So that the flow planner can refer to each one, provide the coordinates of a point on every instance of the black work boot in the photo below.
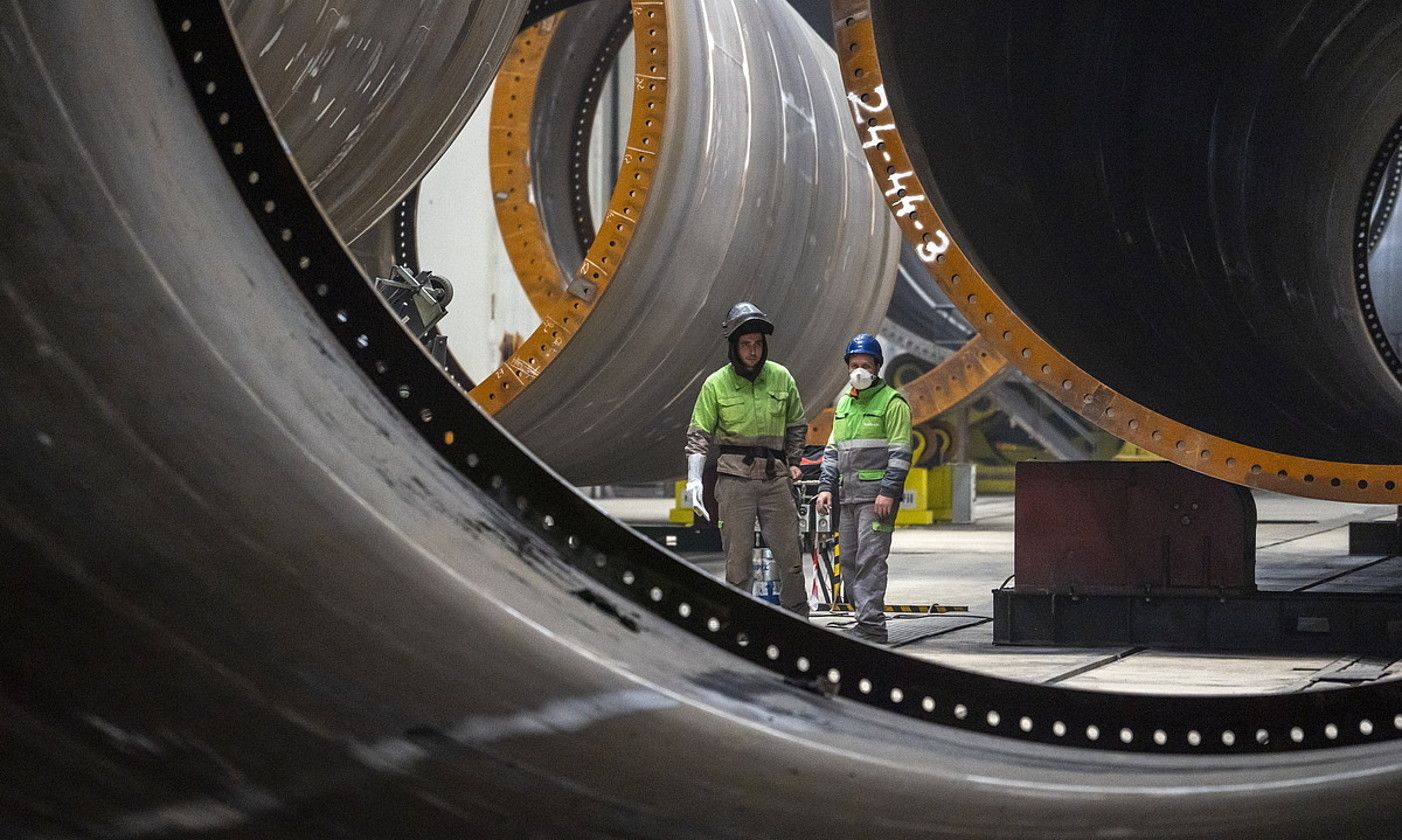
(869, 633)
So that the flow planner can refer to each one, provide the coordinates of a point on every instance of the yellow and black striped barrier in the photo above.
(923, 609)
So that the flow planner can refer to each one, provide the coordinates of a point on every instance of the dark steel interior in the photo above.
(1169, 195)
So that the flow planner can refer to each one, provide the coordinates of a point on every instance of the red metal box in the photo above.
(1098, 526)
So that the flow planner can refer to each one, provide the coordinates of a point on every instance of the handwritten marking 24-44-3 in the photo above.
(878, 119)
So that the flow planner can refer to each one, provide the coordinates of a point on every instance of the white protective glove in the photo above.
(694, 494)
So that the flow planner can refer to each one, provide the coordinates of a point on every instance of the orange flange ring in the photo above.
(878, 125)
(953, 380)
(509, 142)
(561, 310)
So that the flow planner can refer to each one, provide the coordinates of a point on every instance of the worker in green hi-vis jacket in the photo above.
(750, 411)
(865, 464)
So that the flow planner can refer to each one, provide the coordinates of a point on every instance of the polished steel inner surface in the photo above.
(268, 574)
(1169, 197)
(369, 95)
(751, 90)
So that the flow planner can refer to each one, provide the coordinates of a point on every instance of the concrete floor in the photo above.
(1301, 543)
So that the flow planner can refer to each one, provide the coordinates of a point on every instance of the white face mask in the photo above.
(862, 378)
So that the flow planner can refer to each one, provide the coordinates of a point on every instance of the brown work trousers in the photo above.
(741, 500)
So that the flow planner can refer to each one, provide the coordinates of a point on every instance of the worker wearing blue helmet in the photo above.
(865, 465)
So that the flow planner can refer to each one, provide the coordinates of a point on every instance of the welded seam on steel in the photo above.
(298, 233)
(879, 127)
(567, 307)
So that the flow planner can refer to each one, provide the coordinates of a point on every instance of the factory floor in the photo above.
(1300, 544)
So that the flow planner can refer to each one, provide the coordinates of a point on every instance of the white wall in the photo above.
(459, 239)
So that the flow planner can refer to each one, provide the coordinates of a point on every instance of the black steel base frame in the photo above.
(681, 537)
(1367, 538)
(1296, 622)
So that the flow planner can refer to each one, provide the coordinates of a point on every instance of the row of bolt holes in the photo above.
(1361, 272)
(993, 718)
(833, 675)
(897, 696)
(322, 290)
(627, 210)
(864, 685)
(303, 262)
(1059, 729)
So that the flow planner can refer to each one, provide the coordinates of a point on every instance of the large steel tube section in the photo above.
(759, 193)
(268, 574)
(1154, 214)
(368, 95)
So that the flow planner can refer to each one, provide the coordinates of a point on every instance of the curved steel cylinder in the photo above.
(369, 95)
(742, 180)
(267, 573)
(1154, 215)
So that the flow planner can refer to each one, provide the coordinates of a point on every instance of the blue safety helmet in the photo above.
(866, 344)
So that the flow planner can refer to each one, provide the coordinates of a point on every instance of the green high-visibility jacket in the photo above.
(868, 452)
(763, 415)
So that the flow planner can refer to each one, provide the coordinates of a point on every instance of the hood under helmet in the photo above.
(745, 319)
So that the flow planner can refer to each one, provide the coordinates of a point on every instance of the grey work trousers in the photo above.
(741, 500)
(863, 554)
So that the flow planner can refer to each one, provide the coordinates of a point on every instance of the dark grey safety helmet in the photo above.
(745, 318)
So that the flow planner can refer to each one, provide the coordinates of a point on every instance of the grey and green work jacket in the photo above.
(757, 428)
(868, 451)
